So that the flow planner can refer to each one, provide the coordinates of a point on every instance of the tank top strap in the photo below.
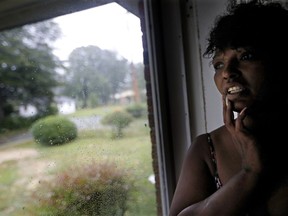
(214, 162)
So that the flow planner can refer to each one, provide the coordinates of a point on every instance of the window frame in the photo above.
(166, 57)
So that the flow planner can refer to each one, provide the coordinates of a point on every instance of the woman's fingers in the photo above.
(229, 115)
(232, 124)
(239, 121)
(224, 108)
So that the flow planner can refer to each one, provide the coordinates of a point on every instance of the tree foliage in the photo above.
(96, 74)
(118, 120)
(27, 66)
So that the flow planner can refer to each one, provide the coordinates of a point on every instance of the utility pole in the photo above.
(134, 83)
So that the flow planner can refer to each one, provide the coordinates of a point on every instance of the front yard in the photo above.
(24, 167)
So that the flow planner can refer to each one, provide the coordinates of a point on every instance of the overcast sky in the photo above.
(108, 27)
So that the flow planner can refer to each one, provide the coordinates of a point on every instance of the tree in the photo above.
(27, 69)
(118, 120)
(95, 73)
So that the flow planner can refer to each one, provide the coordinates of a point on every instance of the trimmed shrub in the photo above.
(136, 110)
(118, 120)
(15, 122)
(54, 130)
(92, 189)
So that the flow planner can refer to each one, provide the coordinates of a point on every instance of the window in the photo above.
(60, 150)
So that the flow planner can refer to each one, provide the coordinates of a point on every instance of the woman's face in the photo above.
(239, 76)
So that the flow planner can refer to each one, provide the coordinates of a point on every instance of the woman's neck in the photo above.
(265, 118)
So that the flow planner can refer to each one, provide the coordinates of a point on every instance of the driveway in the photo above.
(16, 139)
(90, 122)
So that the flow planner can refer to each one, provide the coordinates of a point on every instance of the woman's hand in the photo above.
(243, 139)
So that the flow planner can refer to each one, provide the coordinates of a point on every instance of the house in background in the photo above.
(65, 105)
(129, 96)
(27, 111)
(124, 97)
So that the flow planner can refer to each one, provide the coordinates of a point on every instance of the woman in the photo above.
(241, 167)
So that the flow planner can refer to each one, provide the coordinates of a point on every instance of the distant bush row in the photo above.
(56, 130)
(137, 110)
(13, 121)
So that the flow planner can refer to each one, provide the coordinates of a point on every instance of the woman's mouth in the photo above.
(235, 89)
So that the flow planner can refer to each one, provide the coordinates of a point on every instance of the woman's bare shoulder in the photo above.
(219, 135)
(201, 141)
(218, 132)
(200, 147)
(199, 144)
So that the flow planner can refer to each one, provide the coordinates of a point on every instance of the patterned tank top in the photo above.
(214, 162)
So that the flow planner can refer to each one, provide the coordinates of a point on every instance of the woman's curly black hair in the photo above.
(260, 25)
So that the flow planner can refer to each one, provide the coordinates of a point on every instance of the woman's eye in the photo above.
(247, 56)
(218, 65)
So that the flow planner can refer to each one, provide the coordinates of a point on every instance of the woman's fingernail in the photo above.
(243, 110)
(227, 101)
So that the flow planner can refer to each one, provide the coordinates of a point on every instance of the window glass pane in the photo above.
(74, 134)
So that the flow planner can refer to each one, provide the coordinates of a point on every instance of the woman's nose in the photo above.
(230, 70)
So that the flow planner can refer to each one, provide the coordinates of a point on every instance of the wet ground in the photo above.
(15, 139)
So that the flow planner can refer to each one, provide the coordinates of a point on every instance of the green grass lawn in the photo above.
(99, 111)
(21, 176)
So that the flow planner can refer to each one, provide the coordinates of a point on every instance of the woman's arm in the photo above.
(193, 195)
(196, 194)
(195, 181)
